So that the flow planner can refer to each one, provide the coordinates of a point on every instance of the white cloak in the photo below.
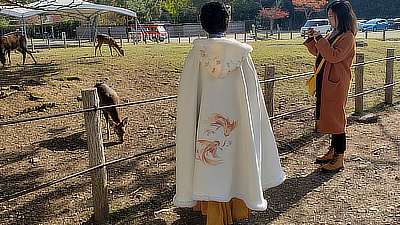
(225, 147)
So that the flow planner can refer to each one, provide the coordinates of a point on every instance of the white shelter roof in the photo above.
(76, 8)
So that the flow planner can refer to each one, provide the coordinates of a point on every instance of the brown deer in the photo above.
(105, 39)
(13, 41)
(109, 97)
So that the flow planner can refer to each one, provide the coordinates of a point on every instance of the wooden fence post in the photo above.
(169, 39)
(48, 43)
(244, 39)
(235, 36)
(79, 42)
(359, 75)
(389, 76)
(384, 35)
(32, 45)
(269, 73)
(291, 35)
(65, 42)
(179, 38)
(189, 38)
(96, 155)
(366, 34)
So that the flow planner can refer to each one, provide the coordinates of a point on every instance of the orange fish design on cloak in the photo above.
(208, 152)
(217, 121)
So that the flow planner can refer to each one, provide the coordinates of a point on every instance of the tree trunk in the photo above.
(271, 24)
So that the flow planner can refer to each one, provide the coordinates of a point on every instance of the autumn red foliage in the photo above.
(309, 6)
(273, 13)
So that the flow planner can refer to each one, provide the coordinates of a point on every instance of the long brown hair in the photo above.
(347, 20)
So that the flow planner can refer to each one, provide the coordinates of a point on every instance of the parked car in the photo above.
(397, 23)
(391, 23)
(154, 32)
(375, 25)
(360, 23)
(320, 25)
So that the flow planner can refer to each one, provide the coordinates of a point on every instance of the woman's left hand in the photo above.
(316, 33)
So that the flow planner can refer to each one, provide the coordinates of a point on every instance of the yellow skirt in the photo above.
(222, 213)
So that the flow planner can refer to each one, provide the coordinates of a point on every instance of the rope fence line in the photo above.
(375, 89)
(352, 96)
(309, 73)
(171, 97)
(30, 190)
(27, 191)
(85, 110)
(24, 192)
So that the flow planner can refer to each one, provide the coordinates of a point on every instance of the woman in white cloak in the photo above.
(225, 147)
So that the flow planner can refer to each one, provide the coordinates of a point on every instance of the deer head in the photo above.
(119, 128)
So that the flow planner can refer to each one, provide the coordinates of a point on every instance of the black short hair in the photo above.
(347, 20)
(214, 17)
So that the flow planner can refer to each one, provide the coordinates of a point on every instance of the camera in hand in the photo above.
(310, 31)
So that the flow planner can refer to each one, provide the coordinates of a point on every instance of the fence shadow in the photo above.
(293, 144)
(12, 157)
(11, 184)
(143, 212)
(38, 210)
(73, 142)
(280, 199)
(290, 192)
(30, 74)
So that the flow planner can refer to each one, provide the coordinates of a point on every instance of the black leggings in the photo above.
(339, 143)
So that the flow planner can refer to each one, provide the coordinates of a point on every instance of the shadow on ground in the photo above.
(30, 74)
(73, 142)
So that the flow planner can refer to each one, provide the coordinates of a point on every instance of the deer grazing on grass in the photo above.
(105, 39)
(109, 97)
(13, 41)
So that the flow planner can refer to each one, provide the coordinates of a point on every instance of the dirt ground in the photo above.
(141, 189)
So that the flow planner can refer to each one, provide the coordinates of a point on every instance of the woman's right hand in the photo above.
(310, 32)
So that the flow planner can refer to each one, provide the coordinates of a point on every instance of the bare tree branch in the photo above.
(38, 6)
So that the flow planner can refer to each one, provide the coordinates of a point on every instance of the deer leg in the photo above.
(117, 50)
(23, 52)
(107, 124)
(95, 49)
(23, 58)
(9, 58)
(29, 52)
(99, 45)
(110, 49)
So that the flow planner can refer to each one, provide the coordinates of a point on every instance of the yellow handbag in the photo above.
(312, 81)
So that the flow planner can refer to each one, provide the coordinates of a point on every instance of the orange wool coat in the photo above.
(336, 80)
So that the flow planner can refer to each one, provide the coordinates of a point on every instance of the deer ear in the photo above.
(125, 121)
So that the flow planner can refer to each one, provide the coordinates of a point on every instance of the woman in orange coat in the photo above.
(335, 54)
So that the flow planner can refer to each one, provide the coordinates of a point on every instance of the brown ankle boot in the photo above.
(336, 164)
(327, 156)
